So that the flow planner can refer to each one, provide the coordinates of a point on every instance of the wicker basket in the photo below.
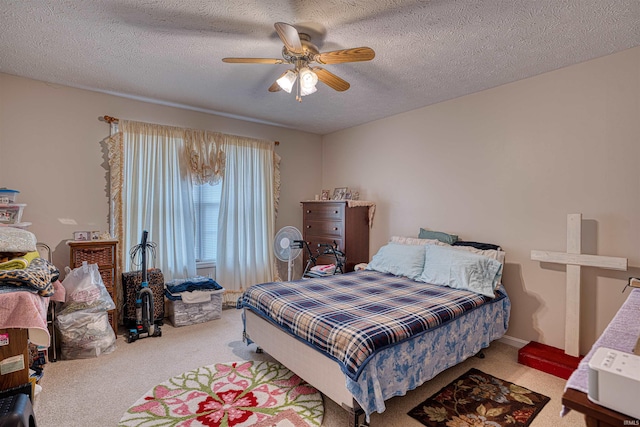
(97, 255)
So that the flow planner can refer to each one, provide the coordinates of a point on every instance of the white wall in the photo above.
(51, 151)
(506, 166)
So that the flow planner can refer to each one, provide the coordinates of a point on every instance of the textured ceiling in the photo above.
(170, 51)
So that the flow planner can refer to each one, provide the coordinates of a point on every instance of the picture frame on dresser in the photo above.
(339, 193)
(81, 236)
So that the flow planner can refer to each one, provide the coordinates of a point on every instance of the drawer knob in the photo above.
(308, 226)
(308, 210)
(335, 228)
(335, 212)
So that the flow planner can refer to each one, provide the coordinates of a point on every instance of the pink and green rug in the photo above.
(237, 394)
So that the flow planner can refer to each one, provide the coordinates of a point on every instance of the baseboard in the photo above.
(512, 341)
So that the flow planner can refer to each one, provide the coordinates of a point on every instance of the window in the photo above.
(206, 199)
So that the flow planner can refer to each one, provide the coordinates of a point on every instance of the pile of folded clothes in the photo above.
(21, 268)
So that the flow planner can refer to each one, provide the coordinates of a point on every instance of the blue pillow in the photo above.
(461, 270)
(399, 260)
(439, 235)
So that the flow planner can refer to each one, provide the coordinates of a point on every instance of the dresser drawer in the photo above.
(324, 228)
(107, 279)
(104, 256)
(325, 211)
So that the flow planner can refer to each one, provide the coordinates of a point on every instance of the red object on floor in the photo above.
(548, 359)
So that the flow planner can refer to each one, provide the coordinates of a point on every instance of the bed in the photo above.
(366, 336)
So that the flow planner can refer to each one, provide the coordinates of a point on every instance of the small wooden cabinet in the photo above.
(14, 353)
(335, 221)
(103, 253)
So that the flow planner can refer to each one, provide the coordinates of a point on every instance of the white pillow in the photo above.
(450, 267)
(399, 260)
(491, 253)
(498, 255)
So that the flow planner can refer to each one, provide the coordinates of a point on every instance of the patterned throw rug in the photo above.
(238, 394)
(478, 399)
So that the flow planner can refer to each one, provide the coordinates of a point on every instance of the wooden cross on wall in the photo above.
(574, 260)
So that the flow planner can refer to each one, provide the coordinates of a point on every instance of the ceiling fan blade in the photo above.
(355, 54)
(289, 36)
(253, 60)
(331, 79)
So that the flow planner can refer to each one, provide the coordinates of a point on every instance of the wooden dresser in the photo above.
(329, 221)
(103, 253)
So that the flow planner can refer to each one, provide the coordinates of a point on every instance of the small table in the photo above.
(621, 334)
(594, 415)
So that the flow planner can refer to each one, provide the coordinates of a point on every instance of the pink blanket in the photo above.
(25, 310)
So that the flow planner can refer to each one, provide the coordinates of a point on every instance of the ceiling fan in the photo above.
(301, 53)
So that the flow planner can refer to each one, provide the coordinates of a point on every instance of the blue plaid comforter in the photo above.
(352, 316)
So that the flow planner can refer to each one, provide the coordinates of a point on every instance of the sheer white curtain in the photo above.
(246, 223)
(157, 196)
(153, 168)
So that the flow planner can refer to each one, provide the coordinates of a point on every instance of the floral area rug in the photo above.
(479, 399)
(237, 394)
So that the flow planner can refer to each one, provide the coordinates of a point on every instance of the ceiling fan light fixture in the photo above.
(307, 91)
(299, 52)
(287, 80)
(308, 80)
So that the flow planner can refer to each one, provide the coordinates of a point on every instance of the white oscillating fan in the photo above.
(287, 246)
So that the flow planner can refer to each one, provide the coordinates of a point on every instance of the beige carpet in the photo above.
(96, 392)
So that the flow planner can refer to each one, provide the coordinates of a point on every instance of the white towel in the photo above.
(194, 297)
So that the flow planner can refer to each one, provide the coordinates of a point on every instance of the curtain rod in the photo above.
(110, 119)
(115, 120)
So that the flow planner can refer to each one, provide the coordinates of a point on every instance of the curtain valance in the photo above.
(206, 158)
(202, 149)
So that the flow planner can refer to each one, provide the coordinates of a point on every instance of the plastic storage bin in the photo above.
(182, 313)
(8, 196)
(194, 300)
(11, 213)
